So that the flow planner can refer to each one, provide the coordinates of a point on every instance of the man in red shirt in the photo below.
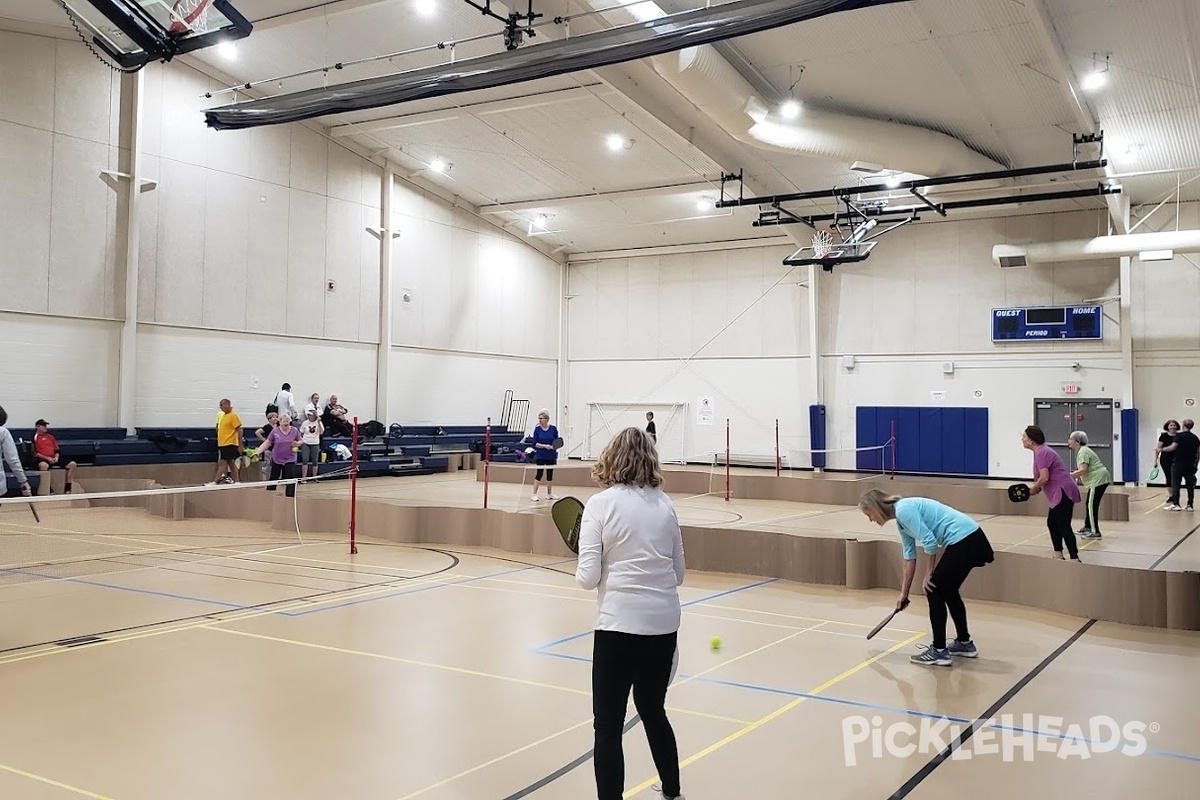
(45, 452)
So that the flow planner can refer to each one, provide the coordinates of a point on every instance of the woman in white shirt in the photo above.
(631, 550)
(311, 431)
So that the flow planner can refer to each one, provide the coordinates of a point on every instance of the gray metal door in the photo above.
(1059, 418)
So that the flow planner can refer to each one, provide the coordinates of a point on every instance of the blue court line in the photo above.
(910, 712)
(118, 587)
(705, 599)
(424, 588)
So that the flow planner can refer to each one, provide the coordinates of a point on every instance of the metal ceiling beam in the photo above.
(1085, 116)
(617, 194)
(837, 192)
(1040, 197)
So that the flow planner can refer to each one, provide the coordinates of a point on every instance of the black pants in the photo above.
(621, 661)
(1181, 475)
(1092, 508)
(1058, 521)
(285, 471)
(547, 470)
(947, 578)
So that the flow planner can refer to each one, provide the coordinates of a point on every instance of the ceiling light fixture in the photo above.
(789, 109)
(1098, 77)
(426, 8)
(704, 205)
(893, 180)
(617, 142)
(438, 165)
(227, 51)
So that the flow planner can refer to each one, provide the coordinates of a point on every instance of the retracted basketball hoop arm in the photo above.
(154, 40)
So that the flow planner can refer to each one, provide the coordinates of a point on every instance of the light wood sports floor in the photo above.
(144, 659)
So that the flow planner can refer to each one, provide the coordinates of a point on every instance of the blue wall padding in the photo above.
(816, 434)
(937, 440)
(1129, 445)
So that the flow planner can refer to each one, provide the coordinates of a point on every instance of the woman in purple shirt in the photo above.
(283, 442)
(1052, 477)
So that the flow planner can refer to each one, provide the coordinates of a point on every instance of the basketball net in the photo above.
(822, 243)
(189, 15)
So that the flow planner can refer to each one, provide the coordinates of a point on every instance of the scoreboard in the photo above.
(1044, 323)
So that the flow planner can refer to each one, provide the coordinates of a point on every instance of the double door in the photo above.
(1059, 418)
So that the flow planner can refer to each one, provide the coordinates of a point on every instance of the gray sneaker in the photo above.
(962, 649)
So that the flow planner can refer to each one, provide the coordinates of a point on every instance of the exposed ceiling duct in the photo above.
(630, 42)
(712, 84)
(1158, 246)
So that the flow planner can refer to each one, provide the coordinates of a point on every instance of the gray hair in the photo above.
(545, 412)
(879, 502)
(1079, 436)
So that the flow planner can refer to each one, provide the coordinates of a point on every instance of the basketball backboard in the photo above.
(132, 33)
(831, 255)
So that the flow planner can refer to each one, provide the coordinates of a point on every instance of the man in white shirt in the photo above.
(8, 451)
(285, 402)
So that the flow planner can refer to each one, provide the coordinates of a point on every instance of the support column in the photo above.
(127, 361)
(814, 337)
(564, 310)
(383, 356)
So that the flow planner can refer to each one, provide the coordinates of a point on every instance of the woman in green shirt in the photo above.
(1095, 478)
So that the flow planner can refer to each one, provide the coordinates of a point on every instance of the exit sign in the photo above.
(1070, 388)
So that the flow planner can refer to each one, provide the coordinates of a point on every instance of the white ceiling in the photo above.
(977, 70)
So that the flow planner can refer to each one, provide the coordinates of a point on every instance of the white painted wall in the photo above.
(924, 297)
(675, 328)
(184, 373)
(59, 368)
(238, 241)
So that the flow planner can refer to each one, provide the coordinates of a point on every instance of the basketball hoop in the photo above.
(189, 16)
(822, 244)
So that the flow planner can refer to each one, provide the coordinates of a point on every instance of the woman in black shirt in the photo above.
(1166, 460)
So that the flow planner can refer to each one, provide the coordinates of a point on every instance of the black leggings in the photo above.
(621, 661)
(947, 578)
(549, 472)
(285, 471)
(1058, 522)
(1092, 507)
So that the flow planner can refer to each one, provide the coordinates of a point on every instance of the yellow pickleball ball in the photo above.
(715, 643)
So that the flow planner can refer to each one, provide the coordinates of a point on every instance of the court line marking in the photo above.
(724, 618)
(927, 769)
(809, 619)
(216, 626)
(761, 721)
(697, 601)
(52, 782)
(1174, 547)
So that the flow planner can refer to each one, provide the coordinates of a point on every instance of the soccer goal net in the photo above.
(605, 420)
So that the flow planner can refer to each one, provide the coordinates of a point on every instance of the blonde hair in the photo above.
(879, 502)
(630, 457)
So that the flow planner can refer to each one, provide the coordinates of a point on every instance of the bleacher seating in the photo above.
(420, 449)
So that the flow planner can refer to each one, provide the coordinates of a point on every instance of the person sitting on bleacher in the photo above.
(334, 419)
(45, 451)
(8, 451)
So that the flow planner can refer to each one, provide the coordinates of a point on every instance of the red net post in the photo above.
(487, 458)
(354, 488)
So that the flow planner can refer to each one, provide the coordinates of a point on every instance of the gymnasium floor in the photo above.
(237, 662)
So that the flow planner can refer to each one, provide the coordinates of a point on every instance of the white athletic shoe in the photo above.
(535, 498)
(662, 796)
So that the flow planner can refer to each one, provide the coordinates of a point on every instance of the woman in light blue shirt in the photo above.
(951, 544)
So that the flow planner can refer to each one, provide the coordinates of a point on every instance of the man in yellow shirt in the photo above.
(229, 442)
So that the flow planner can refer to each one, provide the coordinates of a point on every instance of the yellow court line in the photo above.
(495, 760)
(51, 782)
(212, 626)
(758, 723)
(794, 616)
